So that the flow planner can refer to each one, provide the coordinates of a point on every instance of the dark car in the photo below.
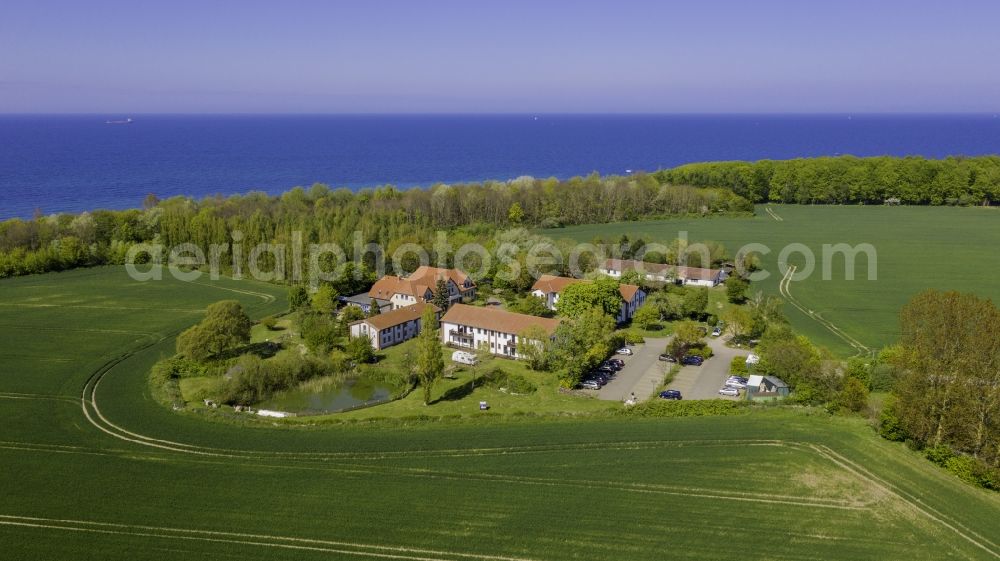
(670, 394)
(611, 365)
(599, 377)
(692, 360)
(667, 358)
(606, 370)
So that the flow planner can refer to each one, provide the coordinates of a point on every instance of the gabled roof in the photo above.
(429, 276)
(397, 316)
(632, 265)
(497, 320)
(388, 285)
(777, 382)
(363, 299)
(696, 273)
(418, 283)
(552, 283)
(628, 291)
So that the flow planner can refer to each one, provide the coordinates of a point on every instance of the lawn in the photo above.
(122, 477)
(917, 248)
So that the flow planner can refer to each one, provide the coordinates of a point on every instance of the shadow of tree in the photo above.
(457, 393)
(263, 349)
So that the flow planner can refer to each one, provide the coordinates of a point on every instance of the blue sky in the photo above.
(717, 56)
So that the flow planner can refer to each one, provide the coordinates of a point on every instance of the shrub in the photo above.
(738, 365)
(890, 427)
(854, 395)
(704, 351)
(269, 323)
(632, 337)
(512, 383)
(939, 454)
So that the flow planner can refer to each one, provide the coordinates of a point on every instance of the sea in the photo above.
(72, 163)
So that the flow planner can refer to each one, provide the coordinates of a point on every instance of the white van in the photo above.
(464, 357)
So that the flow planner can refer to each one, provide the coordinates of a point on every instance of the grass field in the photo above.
(917, 248)
(116, 476)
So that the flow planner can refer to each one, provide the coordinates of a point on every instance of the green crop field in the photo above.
(95, 469)
(917, 248)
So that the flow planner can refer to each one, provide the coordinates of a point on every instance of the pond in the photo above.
(327, 395)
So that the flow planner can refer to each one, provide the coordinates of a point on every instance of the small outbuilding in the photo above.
(766, 387)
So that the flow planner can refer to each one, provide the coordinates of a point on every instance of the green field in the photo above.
(917, 248)
(117, 476)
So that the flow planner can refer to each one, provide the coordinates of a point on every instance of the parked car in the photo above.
(716, 332)
(464, 357)
(732, 392)
(617, 361)
(590, 385)
(667, 358)
(599, 376)
(670, 394)
(612, 365)
(624, 351)
(692, 360)
(606, 371)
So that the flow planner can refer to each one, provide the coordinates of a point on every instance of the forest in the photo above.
(850, 180)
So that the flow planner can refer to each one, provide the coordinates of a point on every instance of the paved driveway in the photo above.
(642, 373)
(703, 382)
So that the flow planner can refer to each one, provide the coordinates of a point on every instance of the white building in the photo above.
(656, 272)
(498, 331)
(391, 328)
(420, 285)
(548, 288)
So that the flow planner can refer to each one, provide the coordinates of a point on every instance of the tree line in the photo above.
(850, 180)
(386, 215)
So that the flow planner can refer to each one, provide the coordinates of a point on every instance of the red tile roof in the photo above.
(397, 316)
(551, 283)
(497, 320)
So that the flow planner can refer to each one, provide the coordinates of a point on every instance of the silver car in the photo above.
(728, 391)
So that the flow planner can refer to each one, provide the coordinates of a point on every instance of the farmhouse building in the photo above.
(656, 272)
(391, 328)
(548, 288)
(420, 285)
(498, 331)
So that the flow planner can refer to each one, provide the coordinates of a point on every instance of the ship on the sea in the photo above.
(127, 121)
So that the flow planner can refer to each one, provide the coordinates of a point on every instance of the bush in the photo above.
(883, 378)
(632, 337)
(854, 395)
(890, 427)
(939, 454)
(269, 323)
(704, 351)
(512, 383)
(738, 365)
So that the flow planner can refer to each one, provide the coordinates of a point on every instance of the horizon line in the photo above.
(513, 113)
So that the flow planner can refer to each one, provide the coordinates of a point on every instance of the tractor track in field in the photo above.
(354, 549)
(910, 500)
(784, 288)
(94, 416)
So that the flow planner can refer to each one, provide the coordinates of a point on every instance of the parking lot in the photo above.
(703, 382)
(643, 372)
(641, 375)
